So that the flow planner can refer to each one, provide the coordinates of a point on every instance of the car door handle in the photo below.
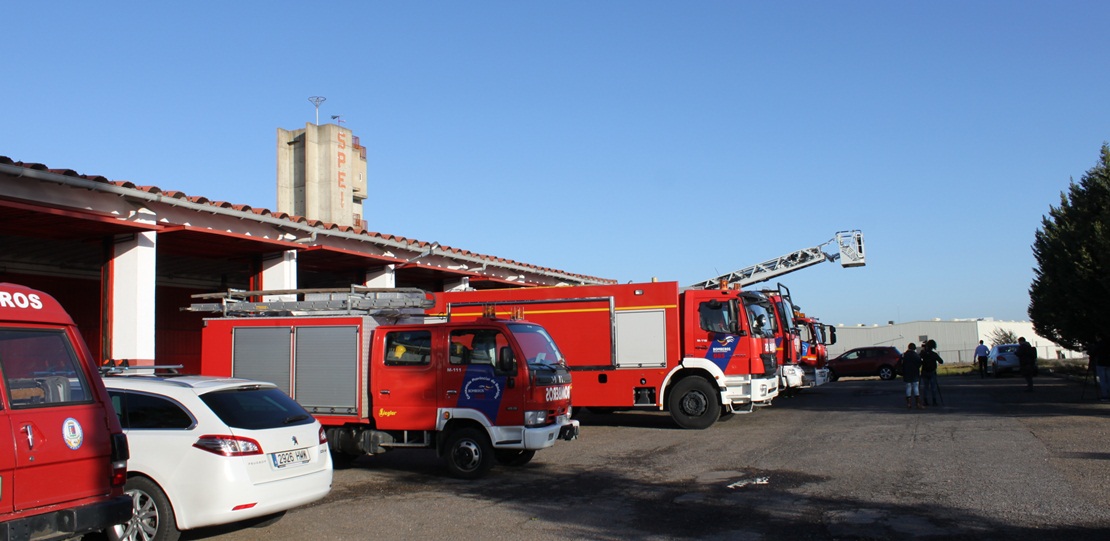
(383, 391)
(30, 436)
(452, 392)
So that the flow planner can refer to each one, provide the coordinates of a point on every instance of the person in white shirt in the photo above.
(981, 353)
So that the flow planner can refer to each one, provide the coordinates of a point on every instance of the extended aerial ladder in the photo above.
(849, 251)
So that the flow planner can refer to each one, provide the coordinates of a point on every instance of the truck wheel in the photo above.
(152, 515)
(468, 453)
(693, 403)
(514, 457)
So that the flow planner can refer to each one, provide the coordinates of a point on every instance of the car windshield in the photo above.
(760, 318)
(256, 408)
(538, 346)
(1007, 349)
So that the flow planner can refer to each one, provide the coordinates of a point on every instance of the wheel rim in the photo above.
(143, 524)
(467, 455)
(694, 404)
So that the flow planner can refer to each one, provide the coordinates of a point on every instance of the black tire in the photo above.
(152, 517)
(693, 403)
(514, 457)
(886, 373)
(468, 453)
(832, 375)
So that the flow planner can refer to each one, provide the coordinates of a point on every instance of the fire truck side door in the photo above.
(60, 442)
(473, 380)
(404, 379)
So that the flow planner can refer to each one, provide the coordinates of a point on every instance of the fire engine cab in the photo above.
(368, 367)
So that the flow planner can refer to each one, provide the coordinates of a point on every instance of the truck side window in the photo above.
(481, 345)
(408, 348)
(40, 368)
(714, 316)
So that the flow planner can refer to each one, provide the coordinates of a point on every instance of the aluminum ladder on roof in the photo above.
(356, 300)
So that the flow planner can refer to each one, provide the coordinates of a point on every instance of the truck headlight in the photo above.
(535, 418)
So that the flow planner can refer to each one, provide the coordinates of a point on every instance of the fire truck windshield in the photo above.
(761, 319)
(538, 346)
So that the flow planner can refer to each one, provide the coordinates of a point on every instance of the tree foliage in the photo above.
(1001, 336)
(1071, 283)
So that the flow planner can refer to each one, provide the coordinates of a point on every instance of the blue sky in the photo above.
(624, 140)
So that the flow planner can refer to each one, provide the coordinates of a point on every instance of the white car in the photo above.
(208, 451)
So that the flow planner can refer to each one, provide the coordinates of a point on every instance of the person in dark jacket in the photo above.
(929, 361)
(911, 373)
(1027, 362)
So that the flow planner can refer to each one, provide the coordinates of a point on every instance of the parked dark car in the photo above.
(882, 361)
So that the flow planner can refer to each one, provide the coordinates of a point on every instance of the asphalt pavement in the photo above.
(843, 461)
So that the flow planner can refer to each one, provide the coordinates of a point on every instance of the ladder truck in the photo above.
(795, 370)
(378, 376)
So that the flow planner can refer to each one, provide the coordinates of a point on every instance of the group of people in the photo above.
(919, 372)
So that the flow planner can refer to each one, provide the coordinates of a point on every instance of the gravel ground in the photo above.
(843, 461)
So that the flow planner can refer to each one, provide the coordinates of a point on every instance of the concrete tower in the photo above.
(321, 174)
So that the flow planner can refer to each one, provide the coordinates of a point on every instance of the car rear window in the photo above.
(256, 408)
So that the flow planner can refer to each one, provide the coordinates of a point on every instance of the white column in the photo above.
(132, 298)
(462, 284)
(384, 278)
(280, 272)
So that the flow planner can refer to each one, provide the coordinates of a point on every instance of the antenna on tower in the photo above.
(317, 100)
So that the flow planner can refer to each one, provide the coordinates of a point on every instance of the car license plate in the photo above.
(289, 458)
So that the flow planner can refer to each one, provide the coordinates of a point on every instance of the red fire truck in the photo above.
(815, 336)
(63, 456)
(366, 364)
(787, 341)
(696, 353)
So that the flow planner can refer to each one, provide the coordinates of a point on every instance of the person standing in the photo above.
(1027, 361)
(929, 361)
(981, 353)
(911, 374)
(1100, 358)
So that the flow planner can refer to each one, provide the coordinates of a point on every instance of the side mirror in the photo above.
(505, 361)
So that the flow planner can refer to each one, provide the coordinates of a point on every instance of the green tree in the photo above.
(1071, 283)
(1000, 336)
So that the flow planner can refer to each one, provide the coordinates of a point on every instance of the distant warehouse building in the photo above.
(956, 339)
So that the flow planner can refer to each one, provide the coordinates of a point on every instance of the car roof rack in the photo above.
(123, 368)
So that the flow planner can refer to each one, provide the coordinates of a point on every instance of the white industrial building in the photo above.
(956, 339)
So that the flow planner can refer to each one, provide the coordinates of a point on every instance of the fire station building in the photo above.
(124, 258)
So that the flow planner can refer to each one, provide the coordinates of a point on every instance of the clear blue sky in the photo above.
(622, 139)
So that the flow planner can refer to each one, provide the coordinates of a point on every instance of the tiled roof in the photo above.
(201, 200)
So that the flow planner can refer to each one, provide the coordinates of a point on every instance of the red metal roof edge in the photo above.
(290, 217)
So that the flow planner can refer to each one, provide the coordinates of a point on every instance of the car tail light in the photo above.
(120, 453)
(323, 436)
(228, 445)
